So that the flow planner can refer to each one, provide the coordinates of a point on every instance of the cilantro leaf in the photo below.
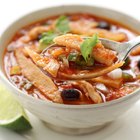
(46, 39)
(87, 46)
(72, 57)
(62, 25)
(81, 61)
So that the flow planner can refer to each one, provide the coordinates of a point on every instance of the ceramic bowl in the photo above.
(72, 119)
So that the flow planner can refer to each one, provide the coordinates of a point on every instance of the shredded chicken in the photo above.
(69, 40)
(85, 24)
(100, 53)
(136, 51)
(81, 27)
(33, 33)
(37, 77)
(90, 91)
(103, 55)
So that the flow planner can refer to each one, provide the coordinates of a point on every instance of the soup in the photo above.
(42, 71)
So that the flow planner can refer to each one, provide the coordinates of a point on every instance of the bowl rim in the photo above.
(57, 105)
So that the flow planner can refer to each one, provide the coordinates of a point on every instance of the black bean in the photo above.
(70, 94)
(104, 25)
(138, 64)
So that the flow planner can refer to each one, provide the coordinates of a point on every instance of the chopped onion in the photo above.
(65, 62)
(115, 74)
(101, 87)
(103, 96)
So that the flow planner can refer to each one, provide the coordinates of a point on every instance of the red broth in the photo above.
(22, 82)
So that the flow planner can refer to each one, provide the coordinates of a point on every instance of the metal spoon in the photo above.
(122, 50)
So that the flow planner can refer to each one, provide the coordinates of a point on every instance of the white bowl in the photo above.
(72, 119)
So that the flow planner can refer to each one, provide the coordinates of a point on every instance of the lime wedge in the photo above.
(12, 115)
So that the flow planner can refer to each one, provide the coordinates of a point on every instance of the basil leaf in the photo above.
(62, 25)
(46, 39)
(88, 45)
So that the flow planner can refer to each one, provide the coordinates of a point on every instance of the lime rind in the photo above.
(20, 124)
(12, 115)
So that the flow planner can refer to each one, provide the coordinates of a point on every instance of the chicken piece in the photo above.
(57, 52)
(33, 33)
(103, 55)
(85, 24)
(69, 40)
(82, 28)
(25, 39)
(47, 64)
(100, 53)
(37, 77)
(90, 91)
(136, 51)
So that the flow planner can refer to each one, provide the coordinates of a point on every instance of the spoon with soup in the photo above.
(73, 57)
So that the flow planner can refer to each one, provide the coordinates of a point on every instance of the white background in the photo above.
(126, 127)
(11, 9)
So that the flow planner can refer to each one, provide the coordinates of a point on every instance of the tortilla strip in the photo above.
(88, 75)
(82, 29)
(37, 58)
(47, 64)
(108, 81)
(37, 77)
(52, 67)
(100, 53)
(90, 91)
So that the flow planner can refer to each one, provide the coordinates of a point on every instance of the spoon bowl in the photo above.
(122, 50)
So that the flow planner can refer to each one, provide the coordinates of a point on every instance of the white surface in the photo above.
(125, 128)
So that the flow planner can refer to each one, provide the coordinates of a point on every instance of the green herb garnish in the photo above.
(62, 25)
(87, 47)
(81, 61)
(46, 39)
(72, 57)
